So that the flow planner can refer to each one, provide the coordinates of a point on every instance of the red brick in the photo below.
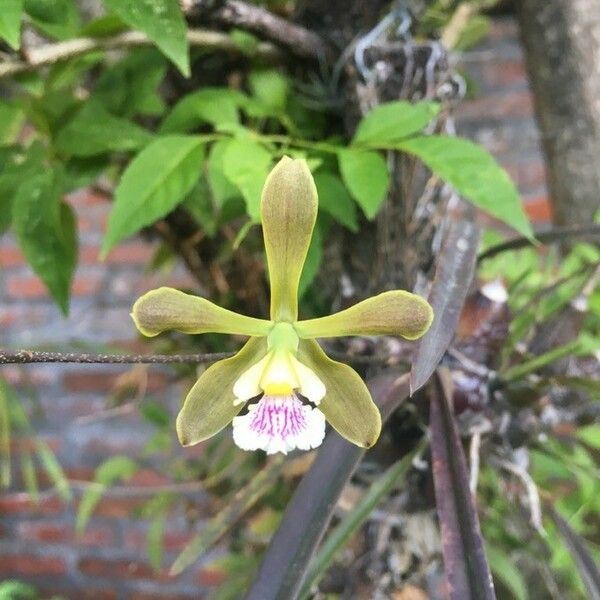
(118, 508)
(87, 198)
(145, 477)
(51, 593)
(28, 564)
(21, 502)
(28, 444)
(505, 73)
(59, 534)
(11, 256)
(539, 209)
(211, 577)
(499, 106)
(120, 569)
(29, 287)
(97, 381)
(131, 253)
(527, 175)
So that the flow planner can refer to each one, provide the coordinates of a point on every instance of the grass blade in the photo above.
(247, 497)
(583, 559)
(453, 276)
(305, 520)
(466, 566)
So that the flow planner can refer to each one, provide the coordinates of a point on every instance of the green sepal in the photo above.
(391, 313)
(347, 404)
(209, 406)
(167, 308)
(288, 212)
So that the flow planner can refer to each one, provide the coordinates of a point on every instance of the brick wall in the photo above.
(37, 543)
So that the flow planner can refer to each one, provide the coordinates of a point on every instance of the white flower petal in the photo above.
(248, 384)
(279, 424)
(311, 386)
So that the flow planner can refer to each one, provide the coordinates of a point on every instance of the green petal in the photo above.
(209, 405)
(390, 313)
(347, 404)
(166, 308)
(288, 211)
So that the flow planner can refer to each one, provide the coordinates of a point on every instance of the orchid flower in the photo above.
(279, 389)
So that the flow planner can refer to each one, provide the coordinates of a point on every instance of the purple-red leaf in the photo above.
(465, 563)
(453, 276)
(287, 558)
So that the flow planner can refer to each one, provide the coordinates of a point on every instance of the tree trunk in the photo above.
(562, 44)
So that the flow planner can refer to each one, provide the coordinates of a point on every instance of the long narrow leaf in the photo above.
(451, 282)
(355, 519)
(305, 520)
(245, 499)
(586, 565)
(466, 566)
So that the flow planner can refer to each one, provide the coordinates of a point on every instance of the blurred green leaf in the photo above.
(270, 87)
(45, 228)
(130, 87)
(10, 22)
(154, 183)
(56, 18)
(393, 121)
(216, 106)
(116, 468)
(30, 477)
(475, 30)
(162, 21)
(246, 164)
(506, 572)
(365, 174)
(17, 590)
(222, 189)
(590, 435)
(474, 173)
(199, 205)
(53, 469)
(93, 130)
(335, 199)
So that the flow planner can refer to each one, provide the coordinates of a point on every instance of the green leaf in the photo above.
(474, 173)
(335, 199)
(365, 174)
(246, 164)
(270, 87)
(93, 130)
(116, 468)
(506, 572)
(130, 87)
(199, 205)
(53, 470)
(162, 21)
(10, 22)
(155, 540)
(222, 189)
(45, 228)
(393, 121)
(590, 435)
(56, 18)
(217, 106)
(11, 122)
(154, 183)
